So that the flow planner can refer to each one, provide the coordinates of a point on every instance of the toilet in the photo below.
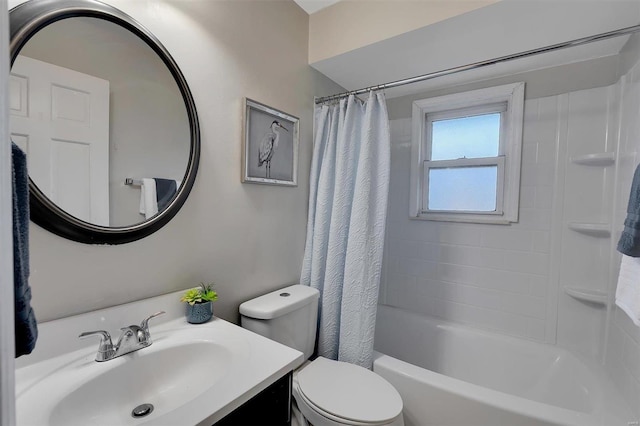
(326, 392)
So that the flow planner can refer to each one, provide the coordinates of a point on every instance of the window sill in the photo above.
(464, 218)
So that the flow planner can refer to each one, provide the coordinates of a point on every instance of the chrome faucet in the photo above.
(132, 338)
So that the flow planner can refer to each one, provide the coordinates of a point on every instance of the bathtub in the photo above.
(454, 375)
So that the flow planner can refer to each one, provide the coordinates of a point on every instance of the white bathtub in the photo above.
(454, 375)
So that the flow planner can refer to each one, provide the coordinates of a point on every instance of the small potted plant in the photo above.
(199, 303)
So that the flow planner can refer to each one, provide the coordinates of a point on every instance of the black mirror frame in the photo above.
(28, 18)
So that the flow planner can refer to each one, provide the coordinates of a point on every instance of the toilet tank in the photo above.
(288, 316)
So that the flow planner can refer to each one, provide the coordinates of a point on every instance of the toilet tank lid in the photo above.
(279, 302)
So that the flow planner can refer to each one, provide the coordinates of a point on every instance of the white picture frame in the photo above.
(270, 146)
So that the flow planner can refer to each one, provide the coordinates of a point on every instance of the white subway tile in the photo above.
(587, 121)
(529, 306)
(536, 329)
(429, 251)
(463, 233)
(507, 238)
(482, 318)
(428, 288)
(530, 263)
(489, 258)
(397, 285)
(399, 247)
(470, 256)
(546, 122)
(615, 344)
(536, 219)
(538, 285)
(527, 196)
(631, 357)
(544, 197)
(541, 241)
(530, 153)
(456, 273)
(547, 152)
(417, 268)
(420, 230)
(538, 174)
(514, 325)
(392, 265)
(507, 281)
(417, 301)
(528, 174)
(393, 228)
(492, 299)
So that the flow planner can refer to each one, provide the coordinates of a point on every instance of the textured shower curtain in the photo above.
(345, 232)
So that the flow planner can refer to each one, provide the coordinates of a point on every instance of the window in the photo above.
(465, 160)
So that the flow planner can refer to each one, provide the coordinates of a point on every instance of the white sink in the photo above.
(190, 374)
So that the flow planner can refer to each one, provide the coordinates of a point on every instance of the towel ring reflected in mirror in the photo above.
(26, 20)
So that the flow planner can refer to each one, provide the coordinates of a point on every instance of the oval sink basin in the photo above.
(191, 374)
(166, 378)
(181, 365)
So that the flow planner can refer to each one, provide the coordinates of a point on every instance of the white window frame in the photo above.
(509, 101)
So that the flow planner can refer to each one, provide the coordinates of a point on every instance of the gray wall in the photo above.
(247, 238)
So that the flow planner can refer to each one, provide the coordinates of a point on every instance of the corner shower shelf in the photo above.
(585, 295)
(601, 159)
(599, 230)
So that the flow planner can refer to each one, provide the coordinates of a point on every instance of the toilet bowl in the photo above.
(334, 393)
(326, 392)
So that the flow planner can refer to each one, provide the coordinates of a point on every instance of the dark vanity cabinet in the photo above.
(271, 407)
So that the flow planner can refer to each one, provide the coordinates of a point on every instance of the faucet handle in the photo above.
(144, 325)
(105, 349)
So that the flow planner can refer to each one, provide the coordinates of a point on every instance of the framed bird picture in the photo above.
(270, 149)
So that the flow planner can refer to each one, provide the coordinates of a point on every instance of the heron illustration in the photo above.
(268, 144)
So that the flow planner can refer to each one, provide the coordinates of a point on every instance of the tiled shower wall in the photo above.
(511, 279)
(497, 277)
(623, 345)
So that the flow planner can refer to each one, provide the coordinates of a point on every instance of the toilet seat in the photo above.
(346, 394)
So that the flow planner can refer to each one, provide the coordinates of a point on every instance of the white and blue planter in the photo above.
(199, 313)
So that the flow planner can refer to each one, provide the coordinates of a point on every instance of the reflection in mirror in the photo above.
(92, 105)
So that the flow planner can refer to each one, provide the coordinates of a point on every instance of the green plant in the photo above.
(201, 294)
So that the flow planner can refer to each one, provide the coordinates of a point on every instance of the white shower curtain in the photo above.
(345, 232)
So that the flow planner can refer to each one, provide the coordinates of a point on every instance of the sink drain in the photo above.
(142, 410)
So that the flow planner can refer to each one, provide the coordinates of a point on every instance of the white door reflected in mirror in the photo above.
(60, 118)
(145, 119)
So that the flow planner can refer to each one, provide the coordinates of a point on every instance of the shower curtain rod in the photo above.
(481, 64)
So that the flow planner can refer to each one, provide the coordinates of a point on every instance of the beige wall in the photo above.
(249, 239)
(351, 24)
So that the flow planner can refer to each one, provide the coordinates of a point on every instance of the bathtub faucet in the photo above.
(131, 339)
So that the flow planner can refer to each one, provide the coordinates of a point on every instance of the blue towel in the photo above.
(165, 190)
(629, 242)
(26, 328)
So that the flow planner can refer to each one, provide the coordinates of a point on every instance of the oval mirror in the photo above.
(106, 119)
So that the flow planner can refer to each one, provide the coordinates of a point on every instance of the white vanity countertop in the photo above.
(224, 366)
